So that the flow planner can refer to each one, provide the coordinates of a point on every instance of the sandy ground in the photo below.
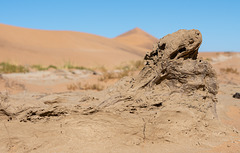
(60, 125)
(103, 131)
(110, 132)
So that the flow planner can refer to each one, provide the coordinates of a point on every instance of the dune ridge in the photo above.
(31, 46)
(138, 38)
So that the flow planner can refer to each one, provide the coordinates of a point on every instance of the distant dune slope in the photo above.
(138, 38)
(29, 46)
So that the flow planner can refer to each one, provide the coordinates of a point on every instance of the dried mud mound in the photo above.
(173, 77)
(172, 99)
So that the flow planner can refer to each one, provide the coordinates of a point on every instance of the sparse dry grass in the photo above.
(6, 67)
(138, 65)
(209, 59)
(121, 71)
(42, 68)
(229, 70)
(106, 75)
(69, 65)
(79, 86)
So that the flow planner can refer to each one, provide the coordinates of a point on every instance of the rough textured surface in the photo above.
(174, 59)
(172, 70)
(181, 44)
(170, 104)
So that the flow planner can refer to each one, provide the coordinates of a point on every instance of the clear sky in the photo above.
(218, 20)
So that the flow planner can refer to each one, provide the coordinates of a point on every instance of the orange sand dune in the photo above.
(29, 46)
(137, 38)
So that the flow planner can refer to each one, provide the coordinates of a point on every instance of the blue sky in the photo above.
(218, 20)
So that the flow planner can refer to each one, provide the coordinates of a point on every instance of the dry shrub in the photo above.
(229, 70)
(79, 86)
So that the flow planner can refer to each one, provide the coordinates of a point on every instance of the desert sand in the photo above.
(30, 46)
(179, 102)
(137, 38)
